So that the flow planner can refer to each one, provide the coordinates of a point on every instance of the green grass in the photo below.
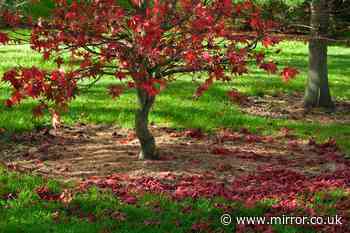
(96, 211)
(176, 108)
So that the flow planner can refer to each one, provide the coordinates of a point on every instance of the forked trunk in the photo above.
(147, 141)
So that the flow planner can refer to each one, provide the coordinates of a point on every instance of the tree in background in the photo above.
(145, 45)
(339, 19)
(295, 15)
(328, 21)
(317, 92)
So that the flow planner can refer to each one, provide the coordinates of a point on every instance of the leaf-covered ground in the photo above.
(87, 150)
(199, 177)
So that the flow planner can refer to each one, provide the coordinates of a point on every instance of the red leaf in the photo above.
(260, 58)
(236, 97)
(194, 133)
(204, 87)
(4, 38)
(38, 111)
(270, 41)
(289, 73)
(120, 75)
(119, 216)
(270, 67)
(190, 57)
(252, 138)
(46, 194)
(115, 90)
(200, 227)
(71, 15)
(221, 151)
(129, 199)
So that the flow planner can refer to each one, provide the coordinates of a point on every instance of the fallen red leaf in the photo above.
(221, 151)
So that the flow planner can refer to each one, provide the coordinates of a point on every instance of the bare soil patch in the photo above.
(83, 151)
(289, 106)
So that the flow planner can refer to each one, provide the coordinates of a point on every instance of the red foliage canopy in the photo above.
(146, 45)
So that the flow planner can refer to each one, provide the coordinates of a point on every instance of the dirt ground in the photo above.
(289, 106)
(82, 151)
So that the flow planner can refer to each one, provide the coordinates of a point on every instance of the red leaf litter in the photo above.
(237, 166)
(284, 185)
(46, 194)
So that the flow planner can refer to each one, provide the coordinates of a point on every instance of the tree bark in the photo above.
(147, 141)
(317, 92)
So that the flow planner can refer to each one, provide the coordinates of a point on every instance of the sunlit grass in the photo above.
(176, 108)
(95, 210)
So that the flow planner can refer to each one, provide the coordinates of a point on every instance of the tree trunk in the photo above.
(317, 92)
(147, 141)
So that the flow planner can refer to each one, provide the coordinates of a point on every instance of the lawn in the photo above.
(176, 108)
(257, 172)
(31, 204)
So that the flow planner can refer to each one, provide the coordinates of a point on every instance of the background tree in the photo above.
(295, 15)
(145, 45)
(325, 22)
(317, 92)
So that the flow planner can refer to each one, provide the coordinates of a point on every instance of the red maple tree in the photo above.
(145, 44)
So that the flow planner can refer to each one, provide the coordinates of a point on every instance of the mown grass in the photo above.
(26, 212)
(176, 108)
(96, 210)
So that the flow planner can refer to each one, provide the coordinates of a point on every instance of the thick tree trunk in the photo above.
(317, 92)
(147, 141)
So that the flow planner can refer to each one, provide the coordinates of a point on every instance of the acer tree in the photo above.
(146, 45)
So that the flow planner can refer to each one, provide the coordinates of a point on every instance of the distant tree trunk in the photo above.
(147, 141)
(332, 18)
(317, 92)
